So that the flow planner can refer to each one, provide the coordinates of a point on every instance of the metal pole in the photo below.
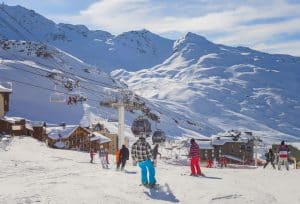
(121, 118)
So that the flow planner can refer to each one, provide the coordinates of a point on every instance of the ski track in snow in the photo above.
(33, 173)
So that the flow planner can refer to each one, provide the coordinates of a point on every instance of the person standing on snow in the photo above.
(283, 151)
(154, 154)
(124, 156)
(141, 154)
(194, 155)
(270, 157)
(92, 154)
(106, 155)
(102, 157)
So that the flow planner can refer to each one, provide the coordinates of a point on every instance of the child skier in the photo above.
(92, 154)
(283, 150)
(102, 157)
(141, 154)
(194, 155)
(106, 155)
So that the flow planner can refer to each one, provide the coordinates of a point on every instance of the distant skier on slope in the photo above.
(283, 151)
(194, 155)
(270, 157)
(124, 156)
(154, 154)
(141, 154)
(102, 157)
(92, 154)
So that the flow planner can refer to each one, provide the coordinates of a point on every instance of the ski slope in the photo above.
(33, 173)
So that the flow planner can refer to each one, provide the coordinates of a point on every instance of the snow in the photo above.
(34, 173)
(101, 138)
(130, 50)
(57, 133)
(4, 89)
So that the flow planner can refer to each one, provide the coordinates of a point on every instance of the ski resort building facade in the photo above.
(113, 145)
(239, 150)
(76, 138)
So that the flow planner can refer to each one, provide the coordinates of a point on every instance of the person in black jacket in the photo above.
(124, 156)
(270, 157)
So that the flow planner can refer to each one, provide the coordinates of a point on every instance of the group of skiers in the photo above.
(145, 157)
(280, 158)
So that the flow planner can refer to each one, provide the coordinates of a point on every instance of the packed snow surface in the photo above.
(34, 173)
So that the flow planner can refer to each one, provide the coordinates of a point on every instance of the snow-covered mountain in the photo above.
(41, 74)
(224, 87)
(196, 87)
(130, 50)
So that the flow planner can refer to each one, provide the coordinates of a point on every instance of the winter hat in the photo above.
(192, 141)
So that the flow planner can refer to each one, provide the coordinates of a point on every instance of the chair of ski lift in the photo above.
(141, 127)
(158, 137)
(57, 97)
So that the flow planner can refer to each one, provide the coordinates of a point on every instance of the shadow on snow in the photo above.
(162, 193)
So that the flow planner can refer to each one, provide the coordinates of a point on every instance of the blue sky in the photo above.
(267, 25)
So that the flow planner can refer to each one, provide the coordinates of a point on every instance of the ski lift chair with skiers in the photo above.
(76, 97)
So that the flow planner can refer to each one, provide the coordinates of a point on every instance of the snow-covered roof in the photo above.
(4, 89)
(205, 145)
(222, 138)
(59, 145)
(232, 157)
(28, 126)
(12, 119)
(56, 133)
(101, 138)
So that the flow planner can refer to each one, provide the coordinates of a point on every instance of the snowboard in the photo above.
(156, 186)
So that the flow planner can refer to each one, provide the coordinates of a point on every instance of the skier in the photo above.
(124, 156)
(92, 154)
(270, 157)
(141, 154)
(223, 161)
(283, 150)
(194, 155)
(209, 163)
(106, 155)
(154, 154)
(102, 157)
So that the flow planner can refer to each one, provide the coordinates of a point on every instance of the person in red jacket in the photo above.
(194, 155)
(92, 154)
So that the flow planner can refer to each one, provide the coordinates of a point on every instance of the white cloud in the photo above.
(235, 23)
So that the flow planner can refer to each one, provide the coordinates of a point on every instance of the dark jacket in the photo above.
(141, 150)
(194, 150)
(124, 153)
(270, 156)
(155, 152)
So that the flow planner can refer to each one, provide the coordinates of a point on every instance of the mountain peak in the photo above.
(192, 40)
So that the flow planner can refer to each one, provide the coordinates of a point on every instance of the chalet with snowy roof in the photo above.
(234, 145)
(75, 137)
(113, 145)
(15, 126)
(39, 131)
(5, 91)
